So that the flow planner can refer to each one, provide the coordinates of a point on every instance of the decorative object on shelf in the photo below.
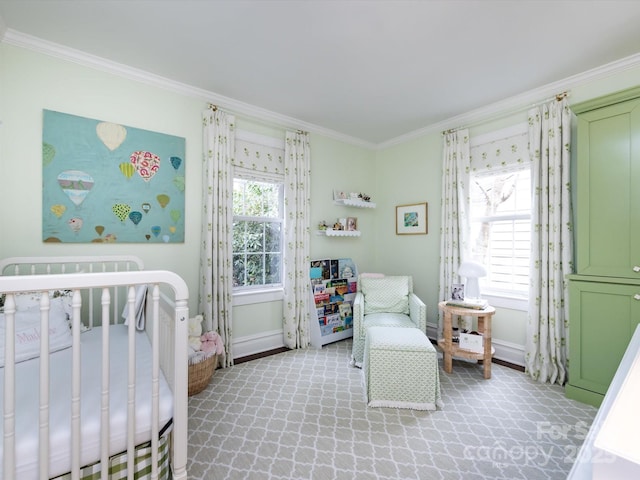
(352, 224)
(411, 219)
(322, 225)
(204, 349)
(457, 291)
(353, 199)
(338, 225)
(472, 271)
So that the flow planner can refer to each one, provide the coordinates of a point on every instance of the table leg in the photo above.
(486, 338)
(446, 355)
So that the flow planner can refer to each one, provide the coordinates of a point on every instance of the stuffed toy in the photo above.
(211, 343)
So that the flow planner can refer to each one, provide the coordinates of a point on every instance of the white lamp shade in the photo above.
(472, 271)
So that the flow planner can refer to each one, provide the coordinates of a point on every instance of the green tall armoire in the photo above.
(604, 294)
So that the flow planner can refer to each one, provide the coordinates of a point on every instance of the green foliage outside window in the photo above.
(257, 233)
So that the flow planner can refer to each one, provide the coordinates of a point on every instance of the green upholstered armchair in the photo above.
(384, 301)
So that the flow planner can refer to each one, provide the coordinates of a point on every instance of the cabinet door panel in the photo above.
(608, 172)
(602, 319)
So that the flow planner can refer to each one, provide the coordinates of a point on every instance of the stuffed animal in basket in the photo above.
(211, 343)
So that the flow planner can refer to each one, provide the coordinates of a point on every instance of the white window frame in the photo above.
(245, 295)
(501, 298)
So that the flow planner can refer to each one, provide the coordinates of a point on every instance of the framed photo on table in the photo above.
(411, 219)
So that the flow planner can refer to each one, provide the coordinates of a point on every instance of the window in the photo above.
(257, 233)
(501, 229)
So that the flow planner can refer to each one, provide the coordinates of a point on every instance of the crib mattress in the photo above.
(27, 402)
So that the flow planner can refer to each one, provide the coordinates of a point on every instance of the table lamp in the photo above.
(472, 271)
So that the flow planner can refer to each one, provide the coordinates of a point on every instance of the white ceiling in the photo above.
(370, 70)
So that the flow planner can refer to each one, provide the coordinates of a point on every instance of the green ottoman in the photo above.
(400, 369)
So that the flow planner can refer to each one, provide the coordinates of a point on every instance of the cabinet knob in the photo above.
(636, 296)
(636, 269)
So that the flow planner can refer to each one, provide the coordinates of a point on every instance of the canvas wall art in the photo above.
(105, 183)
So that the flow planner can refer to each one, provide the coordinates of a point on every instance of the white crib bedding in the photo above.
(27, 402)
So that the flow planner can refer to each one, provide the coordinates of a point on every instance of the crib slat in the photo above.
(155, 379)
(9, 388)
(104, 406)
(45, 307)
(75, 387)
(131, 387)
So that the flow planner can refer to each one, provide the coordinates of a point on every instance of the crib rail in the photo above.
(92, 313)
(176, 370)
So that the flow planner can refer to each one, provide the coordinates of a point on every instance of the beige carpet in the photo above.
(302, 415)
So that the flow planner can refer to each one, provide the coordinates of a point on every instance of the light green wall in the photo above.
(406, 173)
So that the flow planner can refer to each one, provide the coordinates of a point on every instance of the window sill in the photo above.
(257, 296)
(506, 301)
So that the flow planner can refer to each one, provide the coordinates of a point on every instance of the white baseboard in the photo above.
(258, 343)
(505, 351)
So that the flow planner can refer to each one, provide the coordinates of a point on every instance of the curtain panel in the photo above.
(216, 273)
(455, 198)
(297, 173)
(546, 348)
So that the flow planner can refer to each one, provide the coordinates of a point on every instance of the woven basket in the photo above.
(200, 374)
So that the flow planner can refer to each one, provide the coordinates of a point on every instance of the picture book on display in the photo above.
(334, 286)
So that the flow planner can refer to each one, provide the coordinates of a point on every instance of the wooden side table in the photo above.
(451, 349)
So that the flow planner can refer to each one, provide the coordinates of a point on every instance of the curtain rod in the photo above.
(214, 108)
(558, 97)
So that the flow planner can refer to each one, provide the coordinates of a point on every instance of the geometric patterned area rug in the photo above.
(302, 415)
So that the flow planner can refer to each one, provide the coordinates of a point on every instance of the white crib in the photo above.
(111, 402)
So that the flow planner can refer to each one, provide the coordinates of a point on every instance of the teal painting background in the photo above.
(77, 146)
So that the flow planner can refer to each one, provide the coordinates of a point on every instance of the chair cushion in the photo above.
(385, 295)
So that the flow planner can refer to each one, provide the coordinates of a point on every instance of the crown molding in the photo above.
(29, 42)
(494, 111)
(519, 103)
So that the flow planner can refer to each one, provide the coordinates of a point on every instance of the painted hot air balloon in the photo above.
(179, 182)
(146, 163)
(58, 210)
(156, 230)
(76, 185)
(111, 134)
(127, 169)
(99, 229)
(175, 162)
(75, 224)
(175, 215)
(146, 207)
(121, 210)
(163, 200)
(166, 238)
(48, 152)
(172, 229)
(135, 217)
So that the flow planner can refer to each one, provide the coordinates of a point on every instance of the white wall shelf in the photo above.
(338, 233)
(354, 202)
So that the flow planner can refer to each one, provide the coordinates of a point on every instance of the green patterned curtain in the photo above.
(455, 191)
(297, 173)
(216, 282)
(546, 348)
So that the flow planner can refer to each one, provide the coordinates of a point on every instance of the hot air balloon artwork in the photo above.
(175, 162)
(146, 163)
(48, 152)
(75, 224)
(105, 182)
(135, 217)
(163, 200)
(111, 134)
(127, 169)
(121, 210)
(58, 210)
(76, 185)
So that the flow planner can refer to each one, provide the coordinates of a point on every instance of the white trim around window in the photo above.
(249, 297)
